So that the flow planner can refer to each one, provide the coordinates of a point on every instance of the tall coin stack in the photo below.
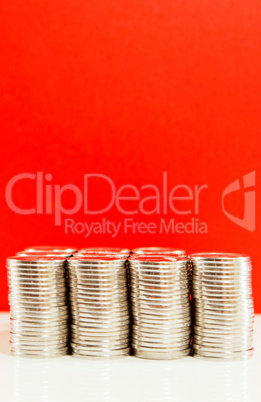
(160, 304)
(99, 306)
(38, 306)
(223, 306)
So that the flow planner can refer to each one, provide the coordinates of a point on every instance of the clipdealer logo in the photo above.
(248, 221)
(148, 200)
(180, 200)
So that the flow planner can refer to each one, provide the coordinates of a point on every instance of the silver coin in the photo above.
(86, 273)
(80, 307)
(222, 340)
(158, 300)
(33, 338)
(160, 265)
(235, 326)
(80, 348)
(40, 310)
(99, 320)
(232, 287)
(100, 333)
(230, 306)
(175, 331)
(223, 321)
(164, 324)
(38, 322)
(25, 330)
(222, 315)
(49, 315)
(112, 331)
(155, 305)
(232, 356)
(172, 276)
(145, 336)
(37, 306)
(98, 293)
(222, 330)
(102, 322)
(29, 354)
(96, 288)
(39, 348)
(110, 344)
(37, 294)
(161, 355)
(88, 338)
(162, 346)
(38, 300)
(165, 313)
(182, 286)
(163, 349)
(208, 279)
(222, 273)
(100, 283)
(83, 329)
(157, 316)
(89, 303)
(38, 345)
(212, 349)
(44, 290)
(40, 325)
(37, 281)
(99, 298)
(231, 346)
(101, 310)
(53, 273)
(103, 354)
(108, 315)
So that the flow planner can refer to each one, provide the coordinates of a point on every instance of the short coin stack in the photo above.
(160, 306)
(223, 306)
(38, 306)
(99, 306)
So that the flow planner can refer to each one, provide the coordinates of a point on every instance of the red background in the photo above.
(131, 89)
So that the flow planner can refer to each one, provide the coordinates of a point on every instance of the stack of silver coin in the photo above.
(160, 304)
(99, 306)
(223, 306)
(38, 306)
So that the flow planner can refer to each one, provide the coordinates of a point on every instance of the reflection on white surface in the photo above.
(126, 379)
(224, 381)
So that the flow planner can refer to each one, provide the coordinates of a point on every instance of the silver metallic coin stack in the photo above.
(99, 306)
(38, 306)
(223, 306)
(160, 302)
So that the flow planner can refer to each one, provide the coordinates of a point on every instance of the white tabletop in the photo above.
(127, 379)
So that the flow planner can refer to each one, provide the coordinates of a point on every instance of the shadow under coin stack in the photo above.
(160, 303)
(38, 306)
(223, 306)
(99, 306)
